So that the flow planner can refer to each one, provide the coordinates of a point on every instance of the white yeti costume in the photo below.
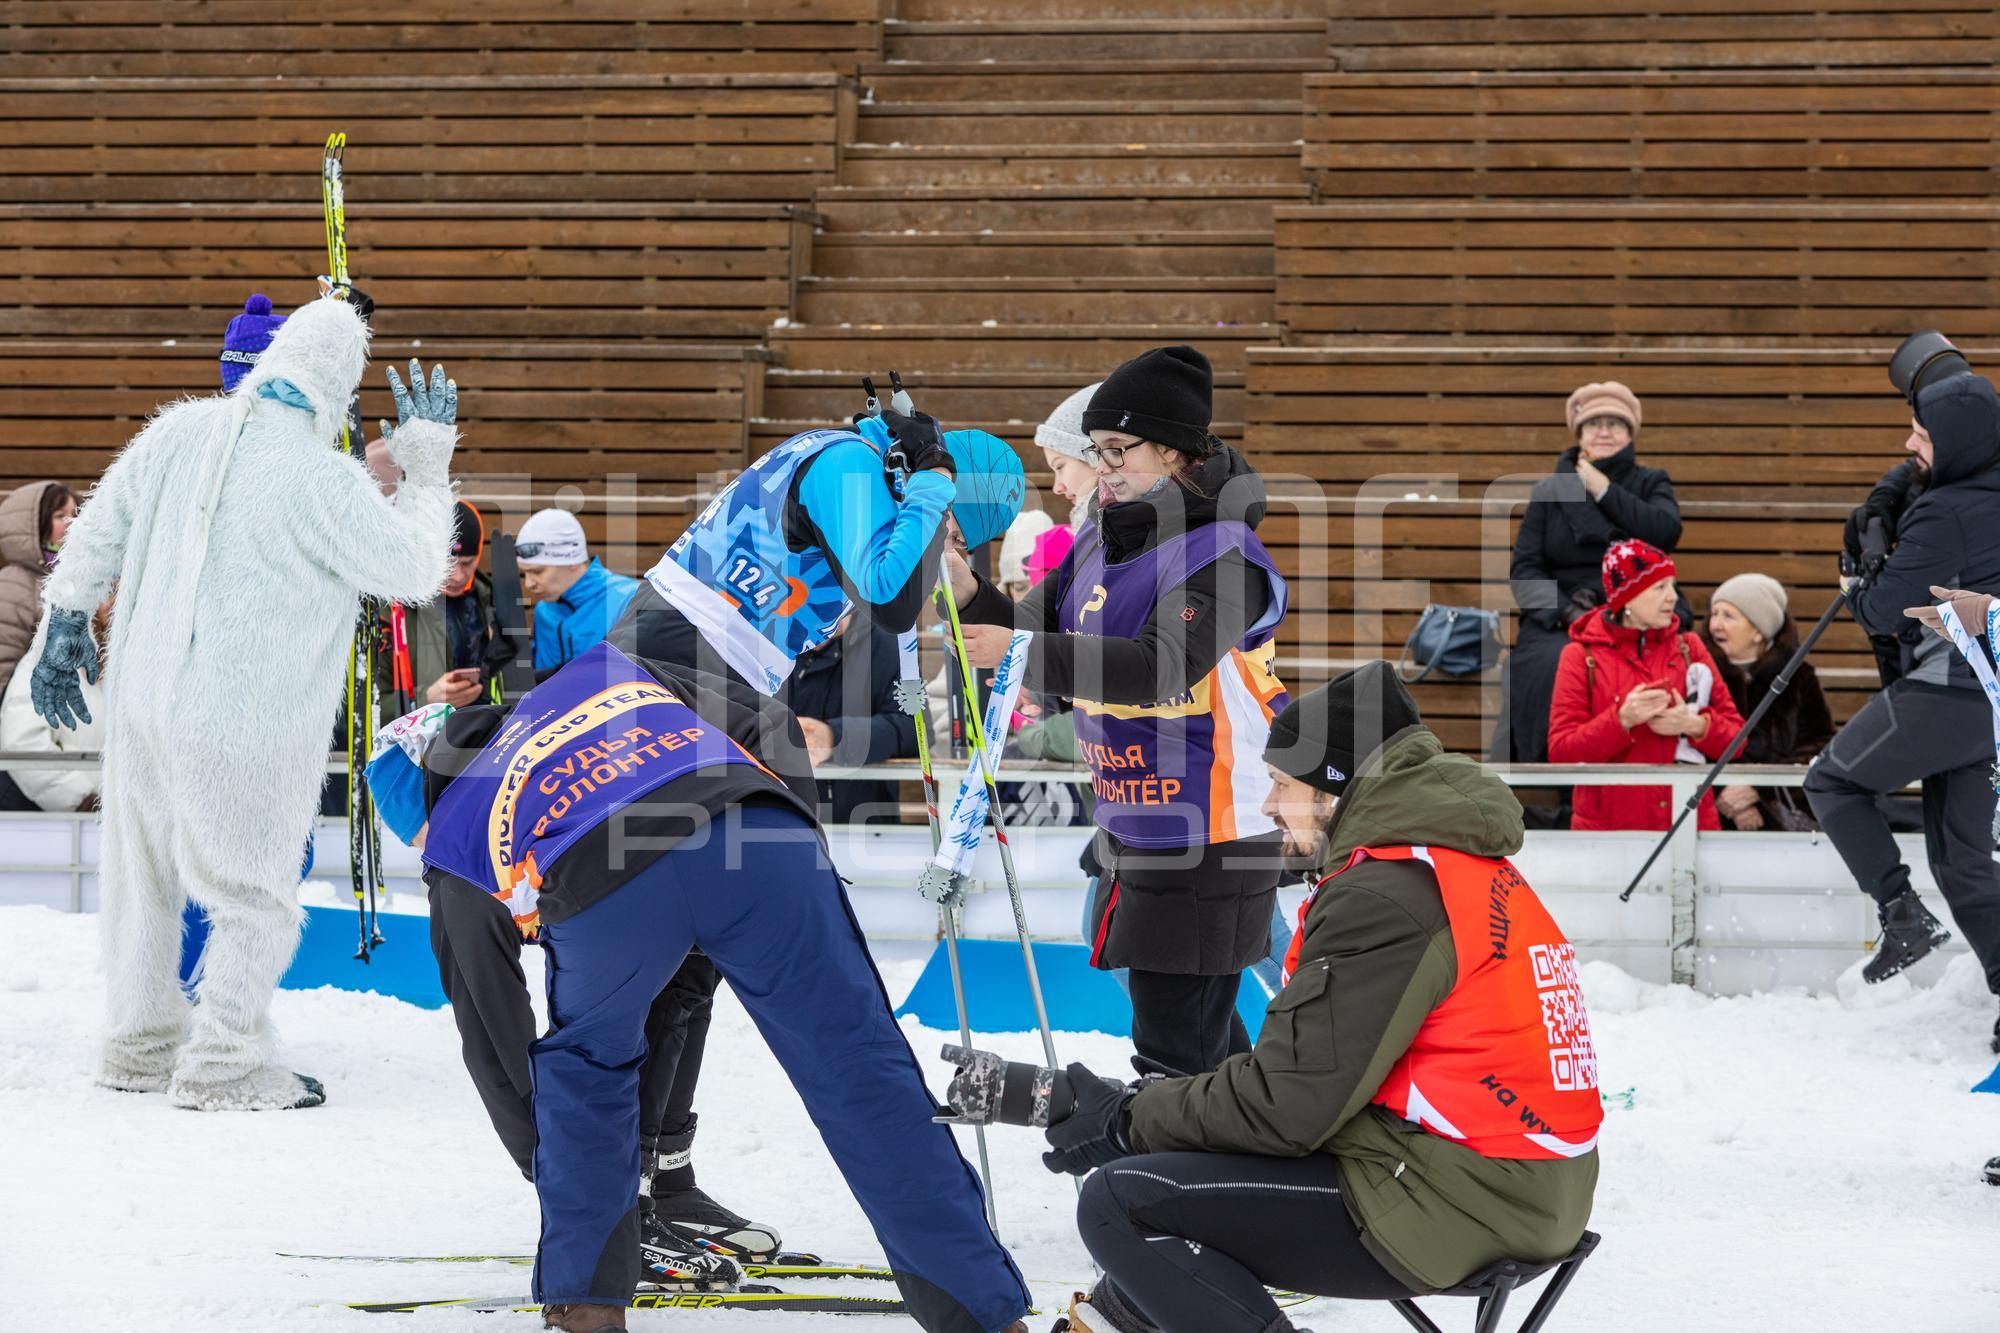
(241, 538)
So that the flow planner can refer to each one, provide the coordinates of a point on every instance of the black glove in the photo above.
(1865, 541)
(1095, 1131)
(919, 444)
(363, 303)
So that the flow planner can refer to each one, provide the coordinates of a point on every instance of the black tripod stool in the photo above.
(1492, 1286)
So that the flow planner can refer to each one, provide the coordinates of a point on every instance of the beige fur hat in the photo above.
(1609, 399)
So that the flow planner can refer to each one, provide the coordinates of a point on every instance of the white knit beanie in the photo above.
(1063, 431)
(1759, 597)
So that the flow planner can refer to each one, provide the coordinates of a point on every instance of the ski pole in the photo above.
(1784, 678)
(987, 767)
(910, 694)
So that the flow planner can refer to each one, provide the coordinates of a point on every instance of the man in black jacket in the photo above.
(1933, 722)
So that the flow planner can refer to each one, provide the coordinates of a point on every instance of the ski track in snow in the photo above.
(1791, 1164)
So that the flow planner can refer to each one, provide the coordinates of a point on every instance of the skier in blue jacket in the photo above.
(825, 521)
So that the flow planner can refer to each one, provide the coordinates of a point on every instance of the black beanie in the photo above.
(468, 533)
(1166, 395)
(1323, 737)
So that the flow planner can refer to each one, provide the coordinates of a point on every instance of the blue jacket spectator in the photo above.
(576, 598)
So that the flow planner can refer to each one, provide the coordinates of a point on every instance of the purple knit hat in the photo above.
(246, 338)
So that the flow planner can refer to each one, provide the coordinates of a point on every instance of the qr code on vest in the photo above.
(1572, 1059)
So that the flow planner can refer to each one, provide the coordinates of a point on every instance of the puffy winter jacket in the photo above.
(21, 573)
(1601, 666)
(1564, 532)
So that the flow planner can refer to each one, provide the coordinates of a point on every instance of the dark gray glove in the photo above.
(53, 689)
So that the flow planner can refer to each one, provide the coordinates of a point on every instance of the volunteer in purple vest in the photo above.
(622, 814)
(1159, 624)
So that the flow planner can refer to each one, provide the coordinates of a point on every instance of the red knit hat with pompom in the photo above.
(1631, 567)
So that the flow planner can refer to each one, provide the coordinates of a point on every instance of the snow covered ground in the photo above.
(1789, 1163)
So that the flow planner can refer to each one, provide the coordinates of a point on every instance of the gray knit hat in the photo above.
(1063, 431)
(1759, 597)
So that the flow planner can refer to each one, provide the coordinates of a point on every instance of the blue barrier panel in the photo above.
(1079, 997)
(401, 967)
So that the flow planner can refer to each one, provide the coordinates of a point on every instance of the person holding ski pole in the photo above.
(1930, 724)
(828, 519)
(622, 814)
(1159, 624)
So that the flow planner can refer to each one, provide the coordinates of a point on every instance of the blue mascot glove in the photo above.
(1096, 1132)
(438, 403)
(68, 648)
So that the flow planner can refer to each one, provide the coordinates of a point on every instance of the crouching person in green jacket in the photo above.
(1422, 1101)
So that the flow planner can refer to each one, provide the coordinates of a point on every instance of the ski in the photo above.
(763, 1298)
(786, 1263)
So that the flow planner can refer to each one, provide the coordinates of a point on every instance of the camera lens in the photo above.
(1924, 358)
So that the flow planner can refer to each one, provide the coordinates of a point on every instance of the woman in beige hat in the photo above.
(1597, 495)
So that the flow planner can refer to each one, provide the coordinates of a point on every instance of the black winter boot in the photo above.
(1909, 933)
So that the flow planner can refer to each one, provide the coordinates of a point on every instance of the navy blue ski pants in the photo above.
(756, 893)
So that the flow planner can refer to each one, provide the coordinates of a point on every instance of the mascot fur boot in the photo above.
(240, 538)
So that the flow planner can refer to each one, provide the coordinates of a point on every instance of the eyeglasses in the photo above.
(1113, 455)
(529, 550)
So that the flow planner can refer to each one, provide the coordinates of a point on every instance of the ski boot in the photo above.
(1994, 1044)
(1909, 933)
(1100, 1311)
(584, 1318)
(702, 1223)
(681, 1209)
(1993, 1170)
(670, 1262)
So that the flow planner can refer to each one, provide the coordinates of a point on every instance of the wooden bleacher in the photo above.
(1727, 136)
(1491, 35)
(421, 38)
(1400, 473)
(543, 271)
(445, 138)
(559, 414)
(1639, 272)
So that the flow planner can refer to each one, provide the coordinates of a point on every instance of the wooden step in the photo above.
(1015, 80)
(1042, 300)
(1110, 40)
(1080, 122)
(1009, 405)
(948, 256)
(1076, 353)
(1071, 11)
(1142, 165)
(1221, 206)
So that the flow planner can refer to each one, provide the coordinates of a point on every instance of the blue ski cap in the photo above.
(397, 786)
(991, 484)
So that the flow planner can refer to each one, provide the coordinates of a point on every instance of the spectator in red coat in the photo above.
(1635, 687)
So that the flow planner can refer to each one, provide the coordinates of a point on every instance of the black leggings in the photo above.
(1190, 1240)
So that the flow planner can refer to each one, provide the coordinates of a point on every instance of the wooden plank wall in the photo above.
(1727, 136)
(1493, 35)
(549, 413)
(424, 38)
(1638, 272)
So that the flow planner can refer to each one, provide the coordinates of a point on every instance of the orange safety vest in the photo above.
(1504, 1064)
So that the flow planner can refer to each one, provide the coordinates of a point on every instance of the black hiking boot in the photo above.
(1909, 933)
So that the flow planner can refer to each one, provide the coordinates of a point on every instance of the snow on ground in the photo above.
(1789, 1163)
